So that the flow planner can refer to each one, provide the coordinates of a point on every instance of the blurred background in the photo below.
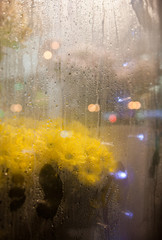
(100, 63)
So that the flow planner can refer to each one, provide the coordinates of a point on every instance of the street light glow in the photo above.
(47, 55)
(134, 105)
(16, 108)
(55, 45)
(93, 107)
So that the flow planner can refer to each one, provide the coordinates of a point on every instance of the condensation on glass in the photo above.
(80, 119)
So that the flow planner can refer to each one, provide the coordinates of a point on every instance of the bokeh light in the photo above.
(47, 55)
(134, 105)
(121, 175)
(123, 99)
(112, 118)
(125, 64)
(138, 105)
(91, 107)
(128, 214)
(16, 108)
(66, 134)
(97, 108)
(94, 108)
(140, 137)
(55, 45)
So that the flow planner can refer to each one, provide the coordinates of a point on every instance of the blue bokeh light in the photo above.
(128, 214)
(124, 99)
(119, 99)
(121, 175)
(125, 64)
(140, 137)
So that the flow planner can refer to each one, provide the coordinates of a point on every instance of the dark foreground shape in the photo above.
(17, 192)
(52, 188)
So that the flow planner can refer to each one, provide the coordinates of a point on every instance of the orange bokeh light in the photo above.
(16, 108)
(55, 45)
(134, 105)
(138, 105)
(94, 108)
(97, 108)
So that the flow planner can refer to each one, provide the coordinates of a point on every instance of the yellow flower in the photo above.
(26, 145)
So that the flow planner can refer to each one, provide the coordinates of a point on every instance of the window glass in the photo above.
(80, 119)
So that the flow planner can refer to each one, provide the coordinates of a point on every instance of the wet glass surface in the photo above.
(80, 120)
